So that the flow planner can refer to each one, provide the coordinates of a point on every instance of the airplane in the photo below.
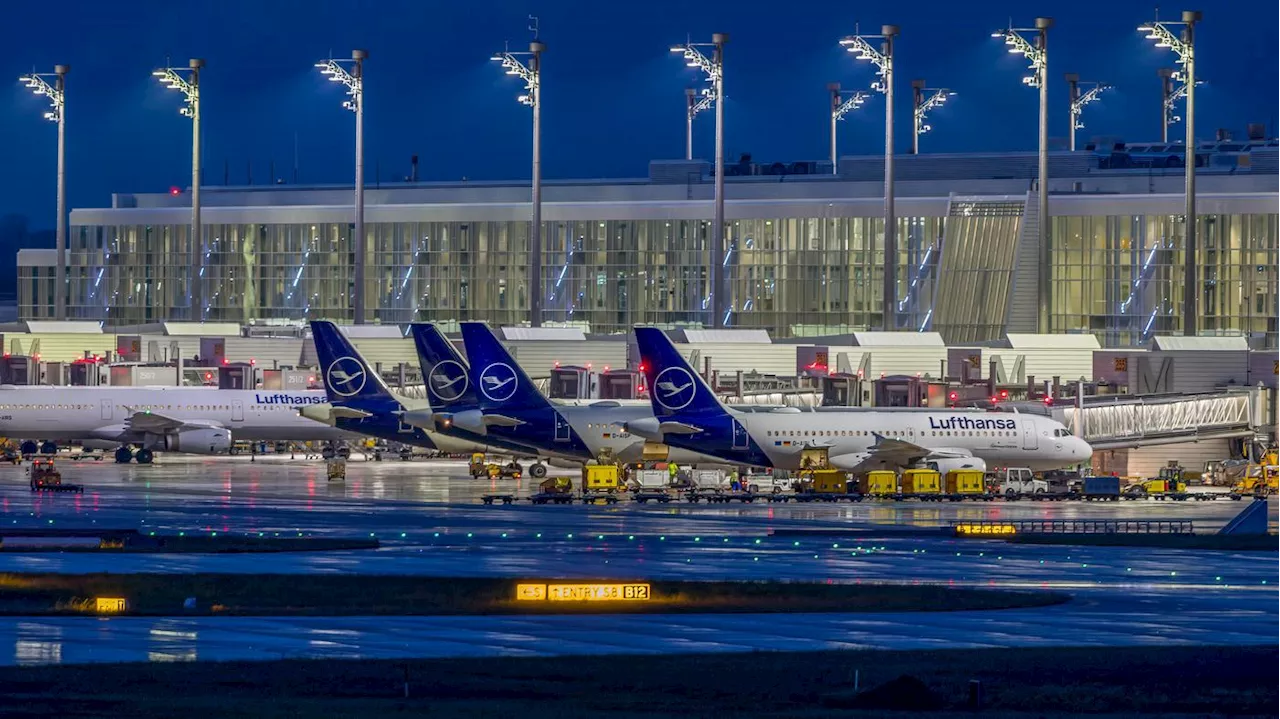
(194, 420)
(359, 401)
(500, 403)
(687, 414)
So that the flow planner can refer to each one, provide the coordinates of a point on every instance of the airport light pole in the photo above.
(1183, 44)
(924, 99)
(1079, 100)
(883, 60)
(695, 102)
(57, 112)
(336, 71)
(189, 85)
(841, 106)
(1167, 100)
(531, 72)
(1037, 54)
(713, 68)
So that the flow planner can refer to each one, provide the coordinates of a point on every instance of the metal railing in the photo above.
(981, 528)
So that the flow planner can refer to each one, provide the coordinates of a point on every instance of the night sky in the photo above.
(613, 94)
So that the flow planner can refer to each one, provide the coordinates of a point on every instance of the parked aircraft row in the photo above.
(491, 401)
(490, 404)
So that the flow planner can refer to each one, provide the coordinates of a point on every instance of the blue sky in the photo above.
(613, 94)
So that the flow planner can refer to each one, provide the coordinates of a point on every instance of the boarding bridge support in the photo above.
(1126, 421)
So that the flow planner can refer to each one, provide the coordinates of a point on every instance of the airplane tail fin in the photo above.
(497, 377)
(444, 371)
(348, 379)
(675, 389)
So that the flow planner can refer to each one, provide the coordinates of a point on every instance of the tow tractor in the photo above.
(45, 477)
(1168, 485)
(1260, 479)
(478, 467)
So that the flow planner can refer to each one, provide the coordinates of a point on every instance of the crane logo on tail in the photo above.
(345, 377)
(674, 388)
(448, 380)
(498, 382)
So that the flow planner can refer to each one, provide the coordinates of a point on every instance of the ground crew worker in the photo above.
(674, 470)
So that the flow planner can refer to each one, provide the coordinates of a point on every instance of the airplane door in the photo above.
(106, 409)
(237, 410)
(562, 428)
(739, 435)
(1029, 438)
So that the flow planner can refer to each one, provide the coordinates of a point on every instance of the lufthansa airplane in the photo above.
(359, 401)
(194, 420)
(687, 414)
(493, 399)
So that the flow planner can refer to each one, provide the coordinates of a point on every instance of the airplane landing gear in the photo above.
(538, 470)
(48, 448)
(145, 456)
(29, 447)
(124, 455)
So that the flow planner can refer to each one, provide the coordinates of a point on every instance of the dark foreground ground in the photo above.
(1177, 682)
(356, 595)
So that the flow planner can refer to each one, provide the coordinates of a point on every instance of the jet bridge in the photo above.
(1126, 421)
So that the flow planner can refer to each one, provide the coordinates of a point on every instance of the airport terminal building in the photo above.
(804, 250)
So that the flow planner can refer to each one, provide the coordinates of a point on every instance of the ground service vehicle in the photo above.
(1101, 488)
(45, 477)
(880, 483)
(557, 490)
(1019, 481)
(926, 484)
(962, 483)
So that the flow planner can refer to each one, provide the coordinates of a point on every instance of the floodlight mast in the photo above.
(336, 70)
(1079, 100)
(713, 68)
(531, 72)
(695, 103)
(1183, 45)
(883, 60)
(57, 112)
(841, 106)
(189, 85)
(924, 99)
(1037, 54)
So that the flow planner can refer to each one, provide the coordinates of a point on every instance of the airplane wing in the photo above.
(155, 423)
(888, 452)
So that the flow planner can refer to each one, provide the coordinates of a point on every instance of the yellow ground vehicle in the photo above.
(879, 483)
(477, 466)
(557, 490)
(601, 478)
(830, 481)
(921, 482)
(965, 482)
(1260, 479)
(336, 469)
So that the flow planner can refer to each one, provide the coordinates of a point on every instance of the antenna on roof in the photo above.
(533, 26)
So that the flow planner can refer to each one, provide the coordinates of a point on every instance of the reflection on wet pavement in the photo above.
(430, 521)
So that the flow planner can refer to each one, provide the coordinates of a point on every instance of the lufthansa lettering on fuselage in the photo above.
(287, 399)
(971, 423)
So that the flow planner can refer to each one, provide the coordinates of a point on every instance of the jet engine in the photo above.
(212, 440)
(944, 465)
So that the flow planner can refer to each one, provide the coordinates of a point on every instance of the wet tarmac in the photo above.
(430, 521)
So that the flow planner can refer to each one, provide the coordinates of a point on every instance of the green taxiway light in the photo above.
(600, 536)
(631, 536)
(697, 539)
(504, 535)
(1217, 579)
(757, 541)
(402, 535)
(468, 535)
(570, 536)
(539, 535)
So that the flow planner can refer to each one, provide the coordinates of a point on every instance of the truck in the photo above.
(1105, 489)
(45, 477)
(1017, 482)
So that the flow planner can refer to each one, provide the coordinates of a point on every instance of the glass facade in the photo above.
(791, 275)
(1121, 277)
(788, 269)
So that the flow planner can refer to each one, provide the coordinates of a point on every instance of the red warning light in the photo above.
(606, 367)
(953, 396)
(1048, 400)
(175, 190)
(252, 361)
(557, 364)
(208, 376)
(225, 361)
(642, 367)
(1004, 394)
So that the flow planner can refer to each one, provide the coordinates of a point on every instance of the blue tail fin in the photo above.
(497, 377)
(444, 371)
(675, 389)
(348, 379)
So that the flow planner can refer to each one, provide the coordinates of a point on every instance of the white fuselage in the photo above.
(1001, 439)
(85, 413)
(600, 424)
